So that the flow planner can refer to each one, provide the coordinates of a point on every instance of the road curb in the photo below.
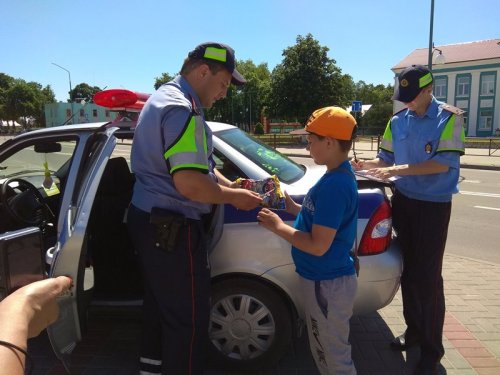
(480, 166)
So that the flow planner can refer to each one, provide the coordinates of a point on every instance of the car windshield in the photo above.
(270, 160)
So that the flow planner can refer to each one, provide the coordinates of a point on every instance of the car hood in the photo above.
(302, 186)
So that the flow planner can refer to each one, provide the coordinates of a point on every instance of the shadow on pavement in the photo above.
(111, 346)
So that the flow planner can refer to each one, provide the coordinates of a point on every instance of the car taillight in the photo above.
(120, 98)
(378, 232)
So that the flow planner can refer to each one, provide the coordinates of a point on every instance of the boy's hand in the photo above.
(269, 219)
(290, 205)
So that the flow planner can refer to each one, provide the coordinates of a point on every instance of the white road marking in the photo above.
(472, 181)
(487, 208)
(490, 195)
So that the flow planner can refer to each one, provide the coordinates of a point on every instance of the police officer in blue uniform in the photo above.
(174, 195)
(422, 145)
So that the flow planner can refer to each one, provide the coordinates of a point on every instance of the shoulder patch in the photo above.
(452, 109)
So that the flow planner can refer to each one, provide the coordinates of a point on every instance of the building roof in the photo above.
(455, 53)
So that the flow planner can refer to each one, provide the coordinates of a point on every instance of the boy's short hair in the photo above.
(345, 146)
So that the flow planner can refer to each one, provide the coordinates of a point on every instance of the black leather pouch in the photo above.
(168, 226)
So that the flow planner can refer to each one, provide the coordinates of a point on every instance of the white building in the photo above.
(468, 79)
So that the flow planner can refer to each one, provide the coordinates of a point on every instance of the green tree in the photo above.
(25, 101)
(370, 94)
(244, 104)
(348, 91)
(6, 82)
(380, 97)
(164, 78)
(48, 95)
(259, 128)
(375, 120)
(306, 80)
(84, 91)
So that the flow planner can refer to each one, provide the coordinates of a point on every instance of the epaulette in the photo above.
(452, 109)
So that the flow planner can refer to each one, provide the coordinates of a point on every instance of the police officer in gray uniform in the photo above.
(174, 195)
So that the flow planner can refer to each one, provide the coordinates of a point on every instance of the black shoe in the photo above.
(427, 368)
(404, 342)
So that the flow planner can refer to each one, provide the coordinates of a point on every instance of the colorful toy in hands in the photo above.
(268, 188)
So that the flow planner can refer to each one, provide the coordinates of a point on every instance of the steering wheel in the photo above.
(27, 206)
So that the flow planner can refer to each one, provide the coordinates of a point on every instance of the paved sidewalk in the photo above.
(471, 335)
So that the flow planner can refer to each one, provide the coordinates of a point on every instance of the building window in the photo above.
(485, 120)
(440, 88)
(82, 113)
(68, 112)
(463, 86)
(487, 84)
(106, 113)
(464, 105)
(94, 112)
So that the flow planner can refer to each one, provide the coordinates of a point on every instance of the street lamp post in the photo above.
(429, 63)
(440, 59)
(70, 89)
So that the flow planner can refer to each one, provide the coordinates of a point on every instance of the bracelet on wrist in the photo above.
(21, 350)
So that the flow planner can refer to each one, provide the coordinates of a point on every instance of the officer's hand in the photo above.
(357, 164)
(382, 173)
(245, 199)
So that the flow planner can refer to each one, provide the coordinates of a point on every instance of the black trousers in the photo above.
(422, 228)
(176, 297)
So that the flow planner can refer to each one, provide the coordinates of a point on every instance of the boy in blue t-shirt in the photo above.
(322, 238)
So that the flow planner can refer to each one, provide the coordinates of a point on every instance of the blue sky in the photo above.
(126, 44)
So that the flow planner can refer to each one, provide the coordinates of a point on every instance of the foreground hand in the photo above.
(35, 306)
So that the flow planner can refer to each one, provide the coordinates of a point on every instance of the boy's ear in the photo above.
(330, 141)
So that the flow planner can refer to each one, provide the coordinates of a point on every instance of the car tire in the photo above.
(250, 325)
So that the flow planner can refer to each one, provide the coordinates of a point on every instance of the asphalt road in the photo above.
(474, 231)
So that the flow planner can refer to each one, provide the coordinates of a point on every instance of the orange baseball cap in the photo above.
(334, 122)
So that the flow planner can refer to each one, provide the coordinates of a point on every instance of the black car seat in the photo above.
(116, 271)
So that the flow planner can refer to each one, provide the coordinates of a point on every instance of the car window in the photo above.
(29, 162)
(270, 160)
(90, 159)
(226, 166)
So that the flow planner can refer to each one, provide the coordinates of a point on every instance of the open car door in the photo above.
(68, 256)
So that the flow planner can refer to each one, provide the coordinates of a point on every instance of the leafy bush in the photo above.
(259, 128)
